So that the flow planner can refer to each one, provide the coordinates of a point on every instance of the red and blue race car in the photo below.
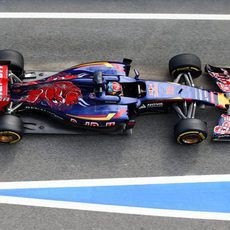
(102, 97)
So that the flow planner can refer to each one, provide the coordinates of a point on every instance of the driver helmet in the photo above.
(114, 88)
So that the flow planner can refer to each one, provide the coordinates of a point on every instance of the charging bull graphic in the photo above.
(224, 125)
(222, 77)
(58, 95)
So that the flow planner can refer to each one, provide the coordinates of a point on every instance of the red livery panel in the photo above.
(4, 98)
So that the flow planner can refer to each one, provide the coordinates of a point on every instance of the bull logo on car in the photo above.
(57, 95)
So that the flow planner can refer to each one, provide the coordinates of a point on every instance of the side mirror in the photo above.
(137, 74)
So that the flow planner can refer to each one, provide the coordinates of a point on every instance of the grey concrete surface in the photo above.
(45, 218)
(151, 150)
(118, 6)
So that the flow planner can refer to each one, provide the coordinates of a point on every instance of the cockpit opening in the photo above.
(134, 89)
(130, 89)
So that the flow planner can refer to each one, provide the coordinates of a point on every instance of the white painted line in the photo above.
(115, 181)
(63, 15)
(115, 209)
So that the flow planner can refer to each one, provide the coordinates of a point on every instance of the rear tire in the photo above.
(190, 131)
(16, 61)
(11, 129)
(184, 63)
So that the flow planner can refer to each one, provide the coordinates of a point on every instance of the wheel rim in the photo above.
(9, 137)
(192, 138)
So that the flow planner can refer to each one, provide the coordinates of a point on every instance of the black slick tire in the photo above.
(184, 63)
(190, 131)
(11, 129)
(16, 61)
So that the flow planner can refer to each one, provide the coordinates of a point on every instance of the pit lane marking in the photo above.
(199, 197)
(139, 16)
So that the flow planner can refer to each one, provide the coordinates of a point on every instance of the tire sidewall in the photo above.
(190, 126)
(10, 124)
(184, 63)
(16, 61)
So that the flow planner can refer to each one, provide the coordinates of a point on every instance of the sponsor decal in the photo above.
(4, 99)
(151, 105)
(110, 102)
(183, 68)
(143, 106)
(110, 124)
(91, 124)
(155, 105)
(186, 69)
(73, 120)
(155, 89)
(150, 89)
(170, 90)
(96, 124)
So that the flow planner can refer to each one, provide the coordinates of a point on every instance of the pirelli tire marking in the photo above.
(5, 134)
(180, 137)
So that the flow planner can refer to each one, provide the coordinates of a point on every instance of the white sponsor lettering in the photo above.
(154, 105)
(109, 124)
(91, 123)
(73, 120)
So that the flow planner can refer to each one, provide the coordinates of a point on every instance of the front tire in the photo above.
(190, 131)
(184, 63)
(11, 129)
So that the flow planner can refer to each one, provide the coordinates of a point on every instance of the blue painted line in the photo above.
(205, 196)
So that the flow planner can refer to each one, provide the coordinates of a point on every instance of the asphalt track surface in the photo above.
(151, 150)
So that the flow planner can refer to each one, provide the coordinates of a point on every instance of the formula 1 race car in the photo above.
(101, 97)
